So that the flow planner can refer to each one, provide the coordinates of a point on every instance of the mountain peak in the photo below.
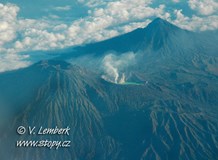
(161, 24)
(159, 21)
(55, 64)
(158, 32)
(156, 35)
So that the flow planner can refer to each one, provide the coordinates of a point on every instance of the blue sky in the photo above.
(27, 26)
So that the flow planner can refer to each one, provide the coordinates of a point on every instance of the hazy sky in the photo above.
(49, 24)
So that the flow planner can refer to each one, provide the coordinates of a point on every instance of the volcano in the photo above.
(166, 110)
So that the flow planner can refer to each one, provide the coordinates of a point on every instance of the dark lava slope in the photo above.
(157, 120)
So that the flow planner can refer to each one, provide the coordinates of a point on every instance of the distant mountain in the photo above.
(159, 34)
(159, 44)
(167, 109)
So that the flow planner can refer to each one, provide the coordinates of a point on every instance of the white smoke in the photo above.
(123, 78)
(114, 66)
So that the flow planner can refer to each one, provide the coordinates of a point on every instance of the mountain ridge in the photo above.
(156, 35)
(167, 109)
(111, 121)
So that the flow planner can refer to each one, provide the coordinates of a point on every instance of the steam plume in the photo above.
(114, 65)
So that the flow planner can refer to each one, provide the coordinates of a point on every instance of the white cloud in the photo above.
(62, 8)
(204, 7)
(176, 1)
(105, 20)
(39, 35)
(53, 16)
(101, 23)
(92, 3)
(8, 15)
(108, 19)
(130, 27)
(12, 61)
(195, 23)
(17, 35)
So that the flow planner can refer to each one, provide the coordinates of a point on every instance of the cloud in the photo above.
(8, 14)
(62, 8)
(39, 35)
(176, 1)
(18, 34)
(104, 20)
(101, 23)
(12, 61)
(204, 7)
(108, 19)
(92, 3)
(53, 16)
(195, 23)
